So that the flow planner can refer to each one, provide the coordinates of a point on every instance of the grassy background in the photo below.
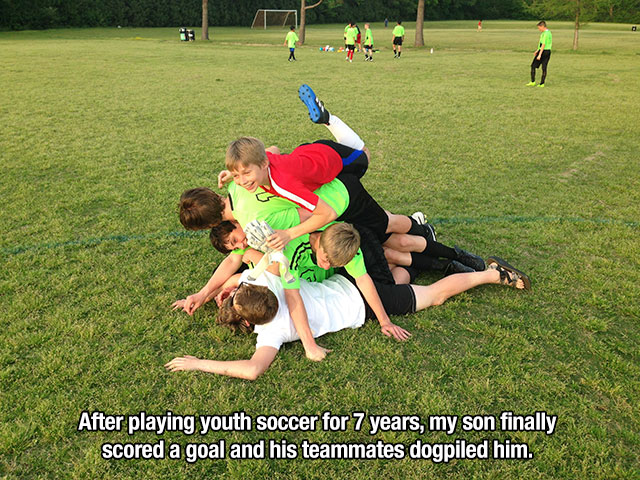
(102, 129)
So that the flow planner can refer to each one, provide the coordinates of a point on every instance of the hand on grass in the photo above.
(224, 177)
(392, 330)
(316, 353)
(188, 362)
(178, 304)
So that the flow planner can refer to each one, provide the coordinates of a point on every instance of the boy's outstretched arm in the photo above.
(227, 268)
(321, 216)
(370, 294)
(248, 369)
(298, 313)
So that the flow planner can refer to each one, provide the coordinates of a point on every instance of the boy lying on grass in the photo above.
(332, 305)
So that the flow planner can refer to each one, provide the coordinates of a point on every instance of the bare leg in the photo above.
(437, 293)
(400, 276)
(398, 223)
(402, 242)
(395, 257)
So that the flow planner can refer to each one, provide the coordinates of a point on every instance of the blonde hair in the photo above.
(340, 242)
(245, 151)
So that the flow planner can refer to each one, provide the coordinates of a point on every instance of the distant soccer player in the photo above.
(290, 40)
(352, 33)
(542, 54)
(368, 43)
(398, 37)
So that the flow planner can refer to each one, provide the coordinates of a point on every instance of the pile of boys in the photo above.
(348, 258)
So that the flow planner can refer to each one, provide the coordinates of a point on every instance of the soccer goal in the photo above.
(275, 18)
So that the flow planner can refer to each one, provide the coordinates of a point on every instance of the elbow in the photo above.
(253, 373)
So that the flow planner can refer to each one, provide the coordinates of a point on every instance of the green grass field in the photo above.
(102, 129)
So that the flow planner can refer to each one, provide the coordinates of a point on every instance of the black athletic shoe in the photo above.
(457, 267)
(470, 259)
(317, 112)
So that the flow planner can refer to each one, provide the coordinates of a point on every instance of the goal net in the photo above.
(275, 18)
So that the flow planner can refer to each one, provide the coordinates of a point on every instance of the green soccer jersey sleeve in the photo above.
(356, 267)
(335, 194)
(545, 39)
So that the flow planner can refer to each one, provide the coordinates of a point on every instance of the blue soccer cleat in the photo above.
(317, 112)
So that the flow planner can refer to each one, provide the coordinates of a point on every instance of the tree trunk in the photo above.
(303, 18)
(577, 26)
(420, 25)
(205, 19)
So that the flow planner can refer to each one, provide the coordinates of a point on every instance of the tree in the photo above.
(205, 19)
(580, 11)
(420, 25)
(303, 13)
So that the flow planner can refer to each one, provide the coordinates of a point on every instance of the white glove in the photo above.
(257, 233)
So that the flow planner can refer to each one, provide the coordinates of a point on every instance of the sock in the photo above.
(421, 261)
(399, 53)
(437, 249)
(415, 229)
(343, 133)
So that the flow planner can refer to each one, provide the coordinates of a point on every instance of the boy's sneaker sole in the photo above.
(317, 112)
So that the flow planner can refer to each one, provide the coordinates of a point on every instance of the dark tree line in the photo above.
(39, 14)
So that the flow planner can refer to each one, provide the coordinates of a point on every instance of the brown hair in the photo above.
(253, 303)
(219, 234)
(542, 23)
(340, 242)
(245, 151)
(200, 208)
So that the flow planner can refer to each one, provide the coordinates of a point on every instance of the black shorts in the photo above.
(363, 209)
(368, 47)
(373, 255)
(351, 47)
(544, 59)
(353, 161)
(396, 299)
(397, 41)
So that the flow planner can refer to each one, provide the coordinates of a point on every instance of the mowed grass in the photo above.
(102, 129)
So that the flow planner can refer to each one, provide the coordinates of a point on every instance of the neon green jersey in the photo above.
(368, 37)
(352, 33)
(303, 265)
(398, 31)
(291, 39)
(545, 39)
(279, 212)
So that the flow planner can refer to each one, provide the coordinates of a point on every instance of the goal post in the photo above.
(275, 18)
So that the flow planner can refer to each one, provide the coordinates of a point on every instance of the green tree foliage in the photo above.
(39, 14)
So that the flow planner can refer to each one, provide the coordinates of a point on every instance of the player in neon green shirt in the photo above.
(350, 41)
(542, 54)
(290, 41)
(368, 43)
(398, 37)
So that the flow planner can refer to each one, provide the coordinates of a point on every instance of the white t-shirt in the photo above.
(331, 306)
